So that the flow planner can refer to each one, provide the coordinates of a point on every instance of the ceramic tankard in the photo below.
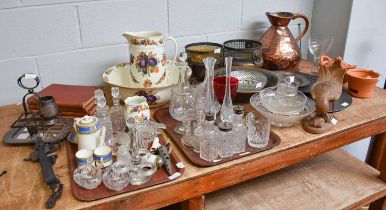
(136, 109)
(89, 132)
(147, 58)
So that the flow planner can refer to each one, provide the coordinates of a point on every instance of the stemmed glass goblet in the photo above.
(317, 48)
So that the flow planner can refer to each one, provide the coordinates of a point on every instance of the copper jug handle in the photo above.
(299, 15)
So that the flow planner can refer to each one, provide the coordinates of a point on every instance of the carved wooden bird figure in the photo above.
(328, 87)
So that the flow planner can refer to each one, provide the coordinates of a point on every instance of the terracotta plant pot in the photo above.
(361, 82)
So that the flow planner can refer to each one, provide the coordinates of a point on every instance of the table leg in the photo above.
(377, 158)
(375, 152)
(196, 203)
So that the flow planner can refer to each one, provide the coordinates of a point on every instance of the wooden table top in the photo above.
(23, 186)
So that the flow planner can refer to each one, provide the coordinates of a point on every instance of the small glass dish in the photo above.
(282, 120)
(286, 99)
(117, 176)
(142, 173)
(88, 176)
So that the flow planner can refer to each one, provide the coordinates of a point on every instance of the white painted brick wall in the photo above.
(103, 22)
(8, 3)
(74, 41)
(80, 67)
(202, 16)
(32, 31)
(254, 11)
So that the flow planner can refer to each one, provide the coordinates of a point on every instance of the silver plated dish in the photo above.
(300, 80)
(282, 120)
(251, 80)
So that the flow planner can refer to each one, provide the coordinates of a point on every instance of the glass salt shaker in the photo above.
(258, 130)
(240, 130)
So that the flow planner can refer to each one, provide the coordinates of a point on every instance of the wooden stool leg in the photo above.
(379, 158)
(196, 203)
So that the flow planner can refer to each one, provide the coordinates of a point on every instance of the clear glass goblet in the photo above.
(318, 47)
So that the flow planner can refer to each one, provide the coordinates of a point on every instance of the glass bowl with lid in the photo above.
(285, 99)
(282, 120)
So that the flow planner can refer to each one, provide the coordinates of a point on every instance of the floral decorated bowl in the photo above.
(156, 96)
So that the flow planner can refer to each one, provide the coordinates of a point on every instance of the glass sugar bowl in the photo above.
(88, 176)
(286, 99)
(117, 176)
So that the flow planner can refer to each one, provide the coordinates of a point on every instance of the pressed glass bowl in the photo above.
(286, 104)
(282, 120)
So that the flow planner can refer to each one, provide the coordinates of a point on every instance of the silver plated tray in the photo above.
(300, 80)
(251, 79)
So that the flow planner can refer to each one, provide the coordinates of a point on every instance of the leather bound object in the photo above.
(69, 96)
(75, 113)
(89, 108)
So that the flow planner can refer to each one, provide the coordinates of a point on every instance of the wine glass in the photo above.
(179, 103)
(318, 47)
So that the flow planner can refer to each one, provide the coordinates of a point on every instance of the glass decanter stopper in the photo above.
(105, 120)
(240, 130)
(209, 142)
(258, 130)
(117, 176)
(117, 114)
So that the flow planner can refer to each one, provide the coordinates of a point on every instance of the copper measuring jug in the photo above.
(280, 48)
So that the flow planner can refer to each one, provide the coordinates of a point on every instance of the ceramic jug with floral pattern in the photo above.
(136, 109)
(147, 58)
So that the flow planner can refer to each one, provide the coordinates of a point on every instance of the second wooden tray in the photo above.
(163, 116)
(102, 191)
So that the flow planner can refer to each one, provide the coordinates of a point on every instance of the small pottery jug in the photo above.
(147, 58)
(136, 109)
(89, 132)
(280, 48)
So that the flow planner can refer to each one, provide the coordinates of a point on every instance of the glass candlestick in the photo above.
(227, 106)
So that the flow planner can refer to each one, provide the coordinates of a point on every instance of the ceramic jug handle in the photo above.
(175, 47)
(298, 15)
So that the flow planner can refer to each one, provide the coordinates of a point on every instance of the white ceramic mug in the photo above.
(136, 109)
(84, 157)
(103, 156)
(89, 133)
(147, 57)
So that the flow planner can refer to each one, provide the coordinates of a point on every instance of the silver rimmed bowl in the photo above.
(251, 79)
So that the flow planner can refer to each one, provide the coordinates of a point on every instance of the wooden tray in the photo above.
(163, 116)
(102, 191)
